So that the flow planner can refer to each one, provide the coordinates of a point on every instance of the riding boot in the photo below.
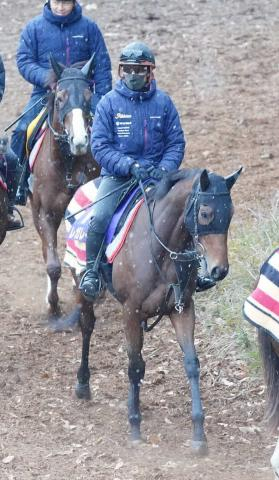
(204, 282)
(13, 174)
(90, 284)
(18, 144)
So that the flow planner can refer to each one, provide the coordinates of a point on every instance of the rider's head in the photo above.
(136, 65)
(61, 7)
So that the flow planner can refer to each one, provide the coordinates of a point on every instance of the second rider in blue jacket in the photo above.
(136, 133)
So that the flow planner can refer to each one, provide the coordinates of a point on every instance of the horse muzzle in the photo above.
(79, 146)
(219, 273)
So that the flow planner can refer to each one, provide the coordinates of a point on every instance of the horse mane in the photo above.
(169, 180)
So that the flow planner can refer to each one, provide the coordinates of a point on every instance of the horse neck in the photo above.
(169, 216)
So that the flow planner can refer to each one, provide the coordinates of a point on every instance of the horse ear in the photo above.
(231, 179)
(204, 181)
(57, 67)
(87, 69)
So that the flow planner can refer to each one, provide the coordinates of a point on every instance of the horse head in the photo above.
(207, 217)
(72, 103)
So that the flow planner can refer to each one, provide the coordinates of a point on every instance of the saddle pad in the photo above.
(261, 308)
(77, 226)
(35, 150)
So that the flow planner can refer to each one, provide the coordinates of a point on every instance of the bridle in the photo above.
(187, 260)
(63, 137)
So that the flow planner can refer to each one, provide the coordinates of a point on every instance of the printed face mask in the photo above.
(134, 81)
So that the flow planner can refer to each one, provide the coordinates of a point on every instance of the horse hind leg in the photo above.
(136, 371)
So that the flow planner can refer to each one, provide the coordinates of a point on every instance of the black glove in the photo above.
(157, 173)
(138, 172)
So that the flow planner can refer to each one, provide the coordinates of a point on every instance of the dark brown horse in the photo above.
(64, 163)
(3, 212)
(155, 273)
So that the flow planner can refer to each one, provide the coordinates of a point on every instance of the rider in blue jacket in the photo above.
(136, 134)
(8, 164)
(71, 37)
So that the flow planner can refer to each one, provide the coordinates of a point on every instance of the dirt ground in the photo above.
(219, 61)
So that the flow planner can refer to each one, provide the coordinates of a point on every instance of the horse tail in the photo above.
(69, 322)
(271, 374)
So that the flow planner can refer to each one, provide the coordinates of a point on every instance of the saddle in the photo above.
(77, 221)
(35, 129)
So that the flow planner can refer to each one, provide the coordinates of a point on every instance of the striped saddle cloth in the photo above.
(261, 308)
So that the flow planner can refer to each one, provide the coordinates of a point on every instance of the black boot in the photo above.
(12, 222)
(18, 145)
(23, 189)
(90, 285)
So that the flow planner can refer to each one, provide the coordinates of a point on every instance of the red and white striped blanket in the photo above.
(76, 228)
(261, 308)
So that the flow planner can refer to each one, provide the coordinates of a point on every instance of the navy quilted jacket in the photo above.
(2, 78)
(134, 126)
(72, 38)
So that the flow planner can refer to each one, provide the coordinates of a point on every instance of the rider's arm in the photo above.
(2, 78)
(102, 69)
(27, 61)
(103, 149)
(175, 142)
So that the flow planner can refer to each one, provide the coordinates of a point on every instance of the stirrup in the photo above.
(90, 287)
(18, 224)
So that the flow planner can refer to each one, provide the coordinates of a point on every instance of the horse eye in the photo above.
(204, 215)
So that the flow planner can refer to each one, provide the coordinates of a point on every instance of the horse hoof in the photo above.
(136, 436)
(199, 448)
(83, 391)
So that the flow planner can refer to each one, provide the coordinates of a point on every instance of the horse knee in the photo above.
(54, 271)
(136, 371)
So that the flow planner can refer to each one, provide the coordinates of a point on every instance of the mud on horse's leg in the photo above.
(184, 324)
(87, 323)
(136, 369)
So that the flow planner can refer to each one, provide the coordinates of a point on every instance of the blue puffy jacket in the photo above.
(72, 38)
(136, 126)
(2, 78)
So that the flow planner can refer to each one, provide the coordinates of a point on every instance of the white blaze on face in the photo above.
(80, 137)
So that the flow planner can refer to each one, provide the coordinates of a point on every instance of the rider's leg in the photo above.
(12, 177)
(18, 145)
(101, 215)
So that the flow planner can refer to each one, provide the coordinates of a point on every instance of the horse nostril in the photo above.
(218, 273)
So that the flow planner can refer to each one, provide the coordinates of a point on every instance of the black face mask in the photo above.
(135, 82)
(221, 206)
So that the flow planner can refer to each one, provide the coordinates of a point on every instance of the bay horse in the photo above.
(64, 162)
(186, 218)
(3, 212)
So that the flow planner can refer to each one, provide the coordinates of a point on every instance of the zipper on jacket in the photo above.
(145, 133)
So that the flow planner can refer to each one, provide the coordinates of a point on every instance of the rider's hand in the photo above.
(158, 173)
(138, 172)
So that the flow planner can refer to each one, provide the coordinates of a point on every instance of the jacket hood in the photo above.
(74, 16)
(122, 88)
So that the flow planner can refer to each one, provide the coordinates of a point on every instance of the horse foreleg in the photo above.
(184, 324)
(136, 369)
(47, 227)
(87, 323)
